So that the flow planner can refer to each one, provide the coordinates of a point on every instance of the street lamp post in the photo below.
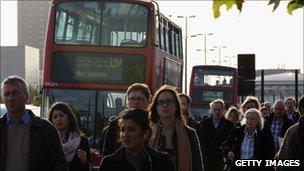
(229, 57)
(219, 48)
(205, 43)
(205, 51)
(205, 40)
(186, 46)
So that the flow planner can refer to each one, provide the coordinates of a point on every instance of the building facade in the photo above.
(279, 85)
(22, 61)
(32, 17)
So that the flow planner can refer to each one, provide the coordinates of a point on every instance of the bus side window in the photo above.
(197, 81)
(224, 81)
(129, 42)
(118, 106)
(217, 82)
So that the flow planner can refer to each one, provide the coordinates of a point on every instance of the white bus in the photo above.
(35, 109)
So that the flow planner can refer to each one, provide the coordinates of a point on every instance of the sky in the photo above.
(276, 38)
(8, 24)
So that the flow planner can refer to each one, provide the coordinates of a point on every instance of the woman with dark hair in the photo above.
(249, 142)
(138, 96)
(265, 111)
(75, 145)
(170, 133)
(250, 102)
(134, 154)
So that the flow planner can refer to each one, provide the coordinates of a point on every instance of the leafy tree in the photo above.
(33, 96)
(292, 5)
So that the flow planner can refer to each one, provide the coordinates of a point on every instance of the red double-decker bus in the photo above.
(211, 82)
(95, 49)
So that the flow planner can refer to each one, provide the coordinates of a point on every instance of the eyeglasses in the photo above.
(138, 99)
(165, 102)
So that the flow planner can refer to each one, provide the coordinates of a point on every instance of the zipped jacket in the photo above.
(45, 146)
(153, 161)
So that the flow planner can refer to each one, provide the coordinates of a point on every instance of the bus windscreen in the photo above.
(97, 68)
(203, 77)
(101, 23)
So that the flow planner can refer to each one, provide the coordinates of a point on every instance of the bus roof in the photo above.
(214, 67)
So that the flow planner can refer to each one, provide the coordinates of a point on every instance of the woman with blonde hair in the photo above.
(249, 142)
(170, 133)
(233, 115)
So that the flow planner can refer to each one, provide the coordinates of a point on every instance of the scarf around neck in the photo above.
(183, 144)
(70, 147)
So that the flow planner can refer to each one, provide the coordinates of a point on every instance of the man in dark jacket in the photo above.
(27, 142)
(278, 123)
(214, 131)
(185, 101)
(291, 113)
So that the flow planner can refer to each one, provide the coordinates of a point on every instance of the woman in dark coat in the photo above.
(249, 142)
(134, 154)
(171, 134)
(75, 145)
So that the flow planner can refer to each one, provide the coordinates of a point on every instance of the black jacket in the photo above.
(295, 116)
(196, 156)
(211, 140)
(76, 164)
(197, 161)
(286, 124)
(45, 146)
(109, 143)
(263, 146)
(154, 161)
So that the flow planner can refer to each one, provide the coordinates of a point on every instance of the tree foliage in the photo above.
(292, 5)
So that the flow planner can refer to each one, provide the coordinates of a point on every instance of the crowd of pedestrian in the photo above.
(152, 133)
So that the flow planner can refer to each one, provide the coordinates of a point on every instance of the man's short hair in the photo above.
(180, 95)
(218, 101)
(279, 102)
(143, 88)
(15, 80)
(290, 98)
